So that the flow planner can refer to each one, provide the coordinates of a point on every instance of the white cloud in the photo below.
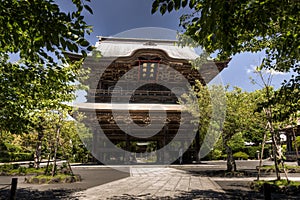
(273, 72)
(253, 68)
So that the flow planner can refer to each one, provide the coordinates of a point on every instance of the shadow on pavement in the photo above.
(208, 194)
(59, 194)
(28, 194)
(222, 173)
(197, 194)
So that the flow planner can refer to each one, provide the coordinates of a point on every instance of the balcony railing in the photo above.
(138, 96)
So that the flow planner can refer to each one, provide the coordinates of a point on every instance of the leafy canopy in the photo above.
(231, 27)
(38, 32)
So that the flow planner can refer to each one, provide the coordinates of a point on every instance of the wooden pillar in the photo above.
(267, 191)
(13, 189)
(158, 152)
(127, 150)
(197, 146)
(165, 151)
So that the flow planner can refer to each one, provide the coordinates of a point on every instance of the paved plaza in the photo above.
(175, 182)
(152, 183)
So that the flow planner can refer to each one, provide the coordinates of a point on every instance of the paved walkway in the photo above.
(153, 183)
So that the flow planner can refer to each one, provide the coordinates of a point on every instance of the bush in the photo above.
(61, 178)
(277, 186)
(24, 156)
(22, 170)
(252, 151)
(4, 156)
(6, 168)
(213, 155)
(12, 156)
(216, 154)
(241, 155)
(16, 169)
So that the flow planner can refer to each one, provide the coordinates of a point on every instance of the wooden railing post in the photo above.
(267, 191)
(13, 190)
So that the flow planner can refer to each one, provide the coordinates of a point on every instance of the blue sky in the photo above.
(112, 17)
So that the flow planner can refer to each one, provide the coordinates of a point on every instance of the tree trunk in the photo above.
(231, 166)
(276, 154)
(279, 157)
(66, 157)
(48, 162)
(276, 146)
(55, 151)
(197, 146)
(261, 154)
(38, 150)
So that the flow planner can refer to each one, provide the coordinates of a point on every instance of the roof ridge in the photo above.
(115, 39)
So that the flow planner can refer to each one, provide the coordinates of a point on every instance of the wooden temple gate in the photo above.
(119, 81)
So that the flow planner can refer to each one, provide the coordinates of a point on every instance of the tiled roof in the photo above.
(122, 47)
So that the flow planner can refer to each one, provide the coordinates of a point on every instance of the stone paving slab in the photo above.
(151, 183)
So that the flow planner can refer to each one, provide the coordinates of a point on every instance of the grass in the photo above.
(48, 179)
(272, 167)
(14, 169)
(38, 174)
(25, 170)
(279, 183)
(277, 186)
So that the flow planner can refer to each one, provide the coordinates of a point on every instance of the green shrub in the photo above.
(17, 169)
(4, 156)
(216, 154)
(22, 170)
(224, 156)
(6, 167)
(284, 147)
(24, 156)
(277, 186)
(252, 151)
(297, 142)
(240, 155)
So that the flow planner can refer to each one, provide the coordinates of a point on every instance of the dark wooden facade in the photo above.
(111, 81)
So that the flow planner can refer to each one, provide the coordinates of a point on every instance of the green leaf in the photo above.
(90, 48)
(177, 4)
(154, 9)
(184, 3)
(209, 37)
(38, 38)
(84, 54)
(192, 3)
(163, 9)
(63, 43)
(170, 6)
(155, 6)
(195, 19)
(84, 43)
(88, 9)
